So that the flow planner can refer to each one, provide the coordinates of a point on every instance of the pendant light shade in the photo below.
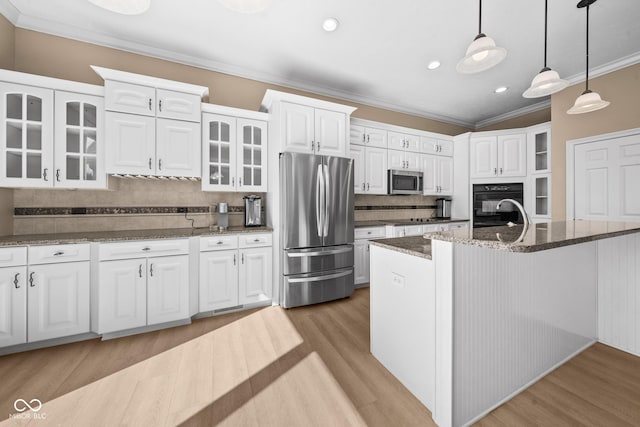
(124, 7)
(588, 101)
(547, 81)
(482, 53)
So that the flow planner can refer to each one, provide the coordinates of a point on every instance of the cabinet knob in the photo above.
(16, 281)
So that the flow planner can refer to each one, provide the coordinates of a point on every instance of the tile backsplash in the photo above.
(128, 204)
(369, 207)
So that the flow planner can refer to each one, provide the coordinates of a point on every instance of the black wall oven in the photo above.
(485, 202)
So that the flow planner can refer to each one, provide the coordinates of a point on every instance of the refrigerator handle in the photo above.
(319, 197)
(327, 198)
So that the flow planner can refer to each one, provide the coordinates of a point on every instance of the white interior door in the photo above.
(592, 172)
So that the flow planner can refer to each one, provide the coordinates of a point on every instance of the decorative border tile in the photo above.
(117, 211)
(394, 207)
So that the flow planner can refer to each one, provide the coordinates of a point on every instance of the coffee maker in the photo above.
(443, 208)
(252, 211)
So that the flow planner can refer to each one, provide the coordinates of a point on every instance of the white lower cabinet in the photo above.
(361, 252)
(235, 270)
(13, 305)
(142, 283)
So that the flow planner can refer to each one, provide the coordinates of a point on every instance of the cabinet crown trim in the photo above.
(235, 112)
(272, 96)
(158, 83)
(16, 77)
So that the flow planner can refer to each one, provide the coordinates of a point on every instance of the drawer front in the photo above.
(11, 257)
(143, 248)
(130, 98)
(413, 230)
(301, 261)
(369, 233)
(218, 243)
(255, 240)
(58, 253)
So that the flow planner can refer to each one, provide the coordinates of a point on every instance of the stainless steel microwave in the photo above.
(404, 182)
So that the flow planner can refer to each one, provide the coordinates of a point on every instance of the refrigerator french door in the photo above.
(317, 228)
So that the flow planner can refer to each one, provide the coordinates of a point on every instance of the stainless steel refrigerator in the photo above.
(317, 228)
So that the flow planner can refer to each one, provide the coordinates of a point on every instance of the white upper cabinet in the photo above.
(367, 136)
(26, 126)
(359, 168)
(403, 141)
(330, 132)
(498, 156)
(153, 125)
(438, 175)
(234, 153)
(307, 125)
(398, 159)
(440, 147)
(79, 141)
(370, 169)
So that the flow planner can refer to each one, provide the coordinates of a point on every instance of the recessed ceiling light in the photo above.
(433, 65)
(330, 24)
(124, 7)
(501, 89)
(246, 6)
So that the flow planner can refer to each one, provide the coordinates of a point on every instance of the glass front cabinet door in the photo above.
(26, 146)
(252, 155)
(79, 143)
(219, 153)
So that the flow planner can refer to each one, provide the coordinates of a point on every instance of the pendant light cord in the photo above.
(480, 18)
(545, 34)
(587, 72)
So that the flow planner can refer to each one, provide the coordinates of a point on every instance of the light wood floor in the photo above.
(274, 367)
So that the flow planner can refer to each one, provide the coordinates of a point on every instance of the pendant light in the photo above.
(124, 7)
(547, 81)
(482, 53)
(588, 101)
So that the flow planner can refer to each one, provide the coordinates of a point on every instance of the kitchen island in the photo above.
(495, 309)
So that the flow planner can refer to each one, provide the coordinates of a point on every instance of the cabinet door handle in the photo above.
(31, 279)
(495, 171)
(368, 138)
(15, 281)
(151, 270)
(140, 271)
(159, 164)
(58, 175)
(219, 242)
(150, 163)
(242, 258)
(150, 104)
(364, 186)
(234, 259)
(240, 181)
(367, 247)
(313, 146)
(364, 137)
(160, 105)
(318, 146)
(45, 174)
(368, 186)
(58, 253)
(256, 240)
(500, 171)
(233, 182)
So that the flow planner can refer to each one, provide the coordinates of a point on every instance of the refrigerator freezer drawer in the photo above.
(304, 289)
(298, 261)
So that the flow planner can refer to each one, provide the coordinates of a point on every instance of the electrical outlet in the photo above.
(182, 210)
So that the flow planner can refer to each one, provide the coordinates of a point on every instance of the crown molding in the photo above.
(9, 11)
(607, 68)
(515, 113)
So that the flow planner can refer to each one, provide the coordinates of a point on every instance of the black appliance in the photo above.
(485, 202)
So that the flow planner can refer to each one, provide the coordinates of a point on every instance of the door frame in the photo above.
(571, 162)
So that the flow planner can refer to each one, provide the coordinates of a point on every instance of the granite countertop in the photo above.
(414, 245)
(537, 237)
(378, 223)
(120, 235)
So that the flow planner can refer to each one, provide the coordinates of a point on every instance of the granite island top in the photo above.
(377, 223)
(413, 245)
(537, 237)
(122, 235)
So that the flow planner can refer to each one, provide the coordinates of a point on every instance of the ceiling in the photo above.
(378, 55)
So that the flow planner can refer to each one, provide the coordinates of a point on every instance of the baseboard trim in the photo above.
(47, 343)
